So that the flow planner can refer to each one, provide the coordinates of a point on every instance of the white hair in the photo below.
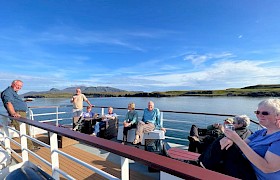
(273, 104)
(242, 119)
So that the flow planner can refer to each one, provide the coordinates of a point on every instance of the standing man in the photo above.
(150, 121)
(77, 101)
(16, 107)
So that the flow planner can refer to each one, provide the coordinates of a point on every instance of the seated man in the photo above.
(200, 143)
(150, 121)
(109, 116)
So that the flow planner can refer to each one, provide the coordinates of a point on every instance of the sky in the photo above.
(139, 45)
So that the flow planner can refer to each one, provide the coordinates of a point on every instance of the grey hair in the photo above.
(242, 119)
(17, 80)
(273, 104)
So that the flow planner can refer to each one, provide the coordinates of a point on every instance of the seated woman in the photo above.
(88, 113)
(256, 157)
(199, 144)
(130, 121)
(149, 122)
(78, 123)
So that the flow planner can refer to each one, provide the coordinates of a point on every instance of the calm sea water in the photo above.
(219, 105)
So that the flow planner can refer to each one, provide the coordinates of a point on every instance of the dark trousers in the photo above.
(125, 129)
(15, 123)
(230, 162)
(204, 140)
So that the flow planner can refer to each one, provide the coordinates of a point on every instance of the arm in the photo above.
(88, 102)
(11, 110)
(73, 99)
(210, 127)
(135, 118)
(158, 121)
(268, 164)
(143, 117)
(126, 117)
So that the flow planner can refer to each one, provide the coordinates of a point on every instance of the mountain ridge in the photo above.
(261, 90)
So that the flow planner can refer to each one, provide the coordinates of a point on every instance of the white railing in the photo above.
(170, 130)
(164, 164)
(53, 151)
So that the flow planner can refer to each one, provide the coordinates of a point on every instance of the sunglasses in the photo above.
(265, 113)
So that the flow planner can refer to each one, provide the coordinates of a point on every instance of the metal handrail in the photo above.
(138, 109)
(165, 111)
(168, 165)
(100, 172)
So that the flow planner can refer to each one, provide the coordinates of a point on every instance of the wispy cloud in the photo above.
(198, 59)
(219, 75)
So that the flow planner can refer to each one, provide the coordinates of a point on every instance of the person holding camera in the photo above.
(256, 157)
(198, 143)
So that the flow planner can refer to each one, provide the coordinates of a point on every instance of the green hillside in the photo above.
(252, 91)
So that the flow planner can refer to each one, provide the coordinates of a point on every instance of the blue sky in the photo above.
(144, 45)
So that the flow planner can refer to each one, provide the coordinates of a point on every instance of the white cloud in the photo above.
(220, 75)
(198, 59)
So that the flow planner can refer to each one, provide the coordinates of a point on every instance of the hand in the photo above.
(16, 115)
(125, 124)
(226, 143)
(163, 129)
(232, 135)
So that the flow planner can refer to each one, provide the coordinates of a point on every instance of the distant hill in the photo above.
(263, 86)
(271, 90)
(71, 90)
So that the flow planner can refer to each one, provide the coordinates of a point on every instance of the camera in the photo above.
(229, 126)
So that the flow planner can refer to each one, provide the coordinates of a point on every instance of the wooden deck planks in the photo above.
(177, 153)
(76, 170)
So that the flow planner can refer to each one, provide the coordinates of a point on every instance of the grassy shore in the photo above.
(251, 91)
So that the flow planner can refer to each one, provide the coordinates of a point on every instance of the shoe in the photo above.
(193, 162)
(93, 134)
(35, 148)
(200, 163)
(123, 142)
(124, 138)
(136, 140)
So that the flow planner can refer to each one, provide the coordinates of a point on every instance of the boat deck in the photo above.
(108, 163)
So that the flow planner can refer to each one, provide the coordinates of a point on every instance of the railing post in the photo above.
(31, 116)
(23, 141)
(6, 135)
(54, 154)
(161, 119)
(56, 115)
(102, 111)
(124, 168)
